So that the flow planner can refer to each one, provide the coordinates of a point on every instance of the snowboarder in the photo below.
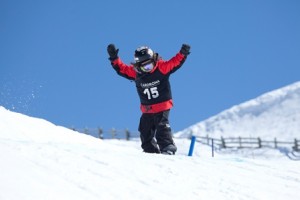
(151, 76)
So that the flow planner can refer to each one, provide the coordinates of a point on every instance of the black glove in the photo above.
(112, 52)
(185, 49)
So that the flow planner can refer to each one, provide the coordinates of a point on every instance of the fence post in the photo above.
(223, 142)
(207, 139)
(240, 142)
(100, 133)
(296, 145)
(127, 134)
(113, 133)
(259, 142)
(212, 147)
(275, 143)
(86, 131)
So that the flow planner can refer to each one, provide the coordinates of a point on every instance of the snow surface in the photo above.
(274, 114)
(40, 160)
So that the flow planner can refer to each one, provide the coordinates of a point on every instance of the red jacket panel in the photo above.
(153, 88)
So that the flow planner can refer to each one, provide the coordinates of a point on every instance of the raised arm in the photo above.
(170, 66)
(126, 71)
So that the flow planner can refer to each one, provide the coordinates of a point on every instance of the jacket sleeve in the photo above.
(170, 66)
(126, 71)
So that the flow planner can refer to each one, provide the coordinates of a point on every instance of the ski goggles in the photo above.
(147, 66)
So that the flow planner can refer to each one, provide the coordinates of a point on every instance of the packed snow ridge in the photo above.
(40, 160)
(273, 114)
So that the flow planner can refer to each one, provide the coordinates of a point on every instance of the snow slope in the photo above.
(42, 161)
(274, 114)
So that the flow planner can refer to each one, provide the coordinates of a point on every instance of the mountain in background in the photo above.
(273, 114)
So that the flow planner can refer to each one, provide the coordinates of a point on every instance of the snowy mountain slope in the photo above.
(274, 114)
(42, 161)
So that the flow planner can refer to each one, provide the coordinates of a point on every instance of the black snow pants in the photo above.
(155, 131)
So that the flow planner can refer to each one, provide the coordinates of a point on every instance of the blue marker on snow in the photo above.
(193, 140)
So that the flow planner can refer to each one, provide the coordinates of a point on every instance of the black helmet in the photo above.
(143, 54)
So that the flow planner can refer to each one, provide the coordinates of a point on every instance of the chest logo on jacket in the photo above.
(150, 85)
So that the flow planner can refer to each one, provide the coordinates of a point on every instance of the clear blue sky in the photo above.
(53, 59)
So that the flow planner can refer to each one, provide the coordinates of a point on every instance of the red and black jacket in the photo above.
(154, 87)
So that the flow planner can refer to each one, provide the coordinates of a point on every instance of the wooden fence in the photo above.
(109, 134)
(247, 142)
(221, 143)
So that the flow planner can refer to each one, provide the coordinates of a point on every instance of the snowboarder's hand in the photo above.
(112, 52)
(185, 49)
